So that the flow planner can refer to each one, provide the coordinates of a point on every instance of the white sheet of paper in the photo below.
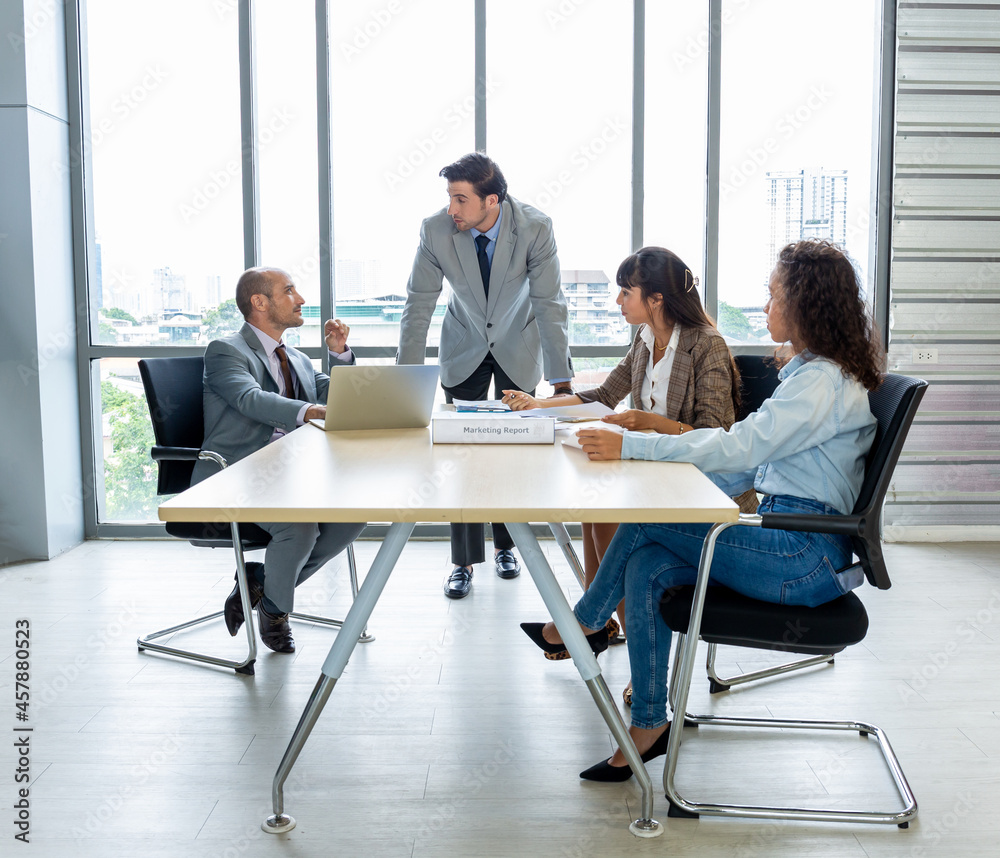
(569, 437)
(592, 410)
(480, 405)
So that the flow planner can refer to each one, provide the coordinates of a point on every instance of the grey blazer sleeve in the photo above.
(422, 292)
(548, 304)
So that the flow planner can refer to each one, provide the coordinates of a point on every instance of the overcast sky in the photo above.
(797, 93)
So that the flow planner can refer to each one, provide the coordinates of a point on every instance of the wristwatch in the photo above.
(562, 388)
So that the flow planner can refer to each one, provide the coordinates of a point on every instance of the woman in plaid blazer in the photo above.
(679, 372)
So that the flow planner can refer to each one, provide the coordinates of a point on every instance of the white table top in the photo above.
(399, 475)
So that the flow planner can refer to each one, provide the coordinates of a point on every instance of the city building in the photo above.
(591, 302)
(805, 204)
(171, 290)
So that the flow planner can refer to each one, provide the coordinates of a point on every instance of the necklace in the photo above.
(659, 348)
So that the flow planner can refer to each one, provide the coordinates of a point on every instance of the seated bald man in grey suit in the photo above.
(256, 390)
(507, 319)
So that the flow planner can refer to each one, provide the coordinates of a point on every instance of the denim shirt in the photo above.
(809, 440)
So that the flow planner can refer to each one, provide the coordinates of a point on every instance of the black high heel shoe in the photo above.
(604, 772)
(557, 652)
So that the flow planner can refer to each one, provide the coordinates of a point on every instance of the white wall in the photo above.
(40, 459)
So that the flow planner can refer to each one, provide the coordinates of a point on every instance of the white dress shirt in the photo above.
(654, 385)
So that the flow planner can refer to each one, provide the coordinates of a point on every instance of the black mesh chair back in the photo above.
(894, 406)
(758, 379)
(174, 394)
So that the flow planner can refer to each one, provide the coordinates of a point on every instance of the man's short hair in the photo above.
(481, 172)
(253, 281)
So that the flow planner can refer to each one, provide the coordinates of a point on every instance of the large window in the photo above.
(559, 124)
(675, 139)
(796, 142)
(167, 90)
(165, 159)
(287, 152)
(403, 106)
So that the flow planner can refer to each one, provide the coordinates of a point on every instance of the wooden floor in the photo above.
(450, 735)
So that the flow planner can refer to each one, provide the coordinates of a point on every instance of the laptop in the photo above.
(380, 397)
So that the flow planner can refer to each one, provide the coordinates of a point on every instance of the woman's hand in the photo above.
(600, 445)
(519, 401)
(633, 419)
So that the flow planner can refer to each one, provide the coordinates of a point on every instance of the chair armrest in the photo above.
(174, 454)
(842, 525)
(185, 454)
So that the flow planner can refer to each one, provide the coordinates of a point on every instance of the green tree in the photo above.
(222, 320)
(129, 472)
(118, 313)
(106, 333)
(582, 334)
(733, 322)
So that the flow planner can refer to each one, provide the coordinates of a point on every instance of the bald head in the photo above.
(255, 281)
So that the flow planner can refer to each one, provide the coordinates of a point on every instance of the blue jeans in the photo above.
(645, 560)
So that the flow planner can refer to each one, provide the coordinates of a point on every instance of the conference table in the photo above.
(401, 477)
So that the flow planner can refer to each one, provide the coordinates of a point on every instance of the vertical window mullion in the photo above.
(327, 257)
(638, 122)
(248, 136)
(710, 293)
(480, 73)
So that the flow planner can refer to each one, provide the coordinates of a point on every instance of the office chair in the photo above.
(759, 378)
(174, 389)
(719, 615)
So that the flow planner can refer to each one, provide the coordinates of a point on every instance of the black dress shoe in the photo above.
(275, 633)
(506, 564)
(557, 651)
(233, 610)
(609, 774)
(458, 584)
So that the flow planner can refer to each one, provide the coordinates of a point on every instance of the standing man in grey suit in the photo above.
(506, 318)
(256, 390)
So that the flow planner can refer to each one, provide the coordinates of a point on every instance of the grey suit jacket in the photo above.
(524, 323)
(241, 399)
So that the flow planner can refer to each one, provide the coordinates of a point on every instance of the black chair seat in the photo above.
(737, 620)
(216, 535)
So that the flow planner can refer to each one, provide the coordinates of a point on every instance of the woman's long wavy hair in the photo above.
(658, 271)
(824, 302)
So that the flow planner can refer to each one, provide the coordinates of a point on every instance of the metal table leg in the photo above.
(352, 629)
(586, 664)
(561, 535)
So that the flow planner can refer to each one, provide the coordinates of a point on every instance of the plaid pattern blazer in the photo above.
(700, 390)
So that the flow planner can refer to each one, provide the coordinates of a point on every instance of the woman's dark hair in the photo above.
(657, 271)
(824, 303)
(481, 172)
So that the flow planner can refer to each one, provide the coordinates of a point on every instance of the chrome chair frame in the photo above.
(680, 686)
(164, 453)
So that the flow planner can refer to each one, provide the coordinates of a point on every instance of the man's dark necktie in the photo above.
(286, 371)
(484, 261)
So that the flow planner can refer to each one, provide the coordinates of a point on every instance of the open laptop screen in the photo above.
(380, 397)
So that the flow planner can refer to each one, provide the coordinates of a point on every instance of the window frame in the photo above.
(83, 223)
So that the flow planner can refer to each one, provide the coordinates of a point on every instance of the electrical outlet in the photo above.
(925, 355)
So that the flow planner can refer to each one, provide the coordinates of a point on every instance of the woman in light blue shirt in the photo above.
(804, 449)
